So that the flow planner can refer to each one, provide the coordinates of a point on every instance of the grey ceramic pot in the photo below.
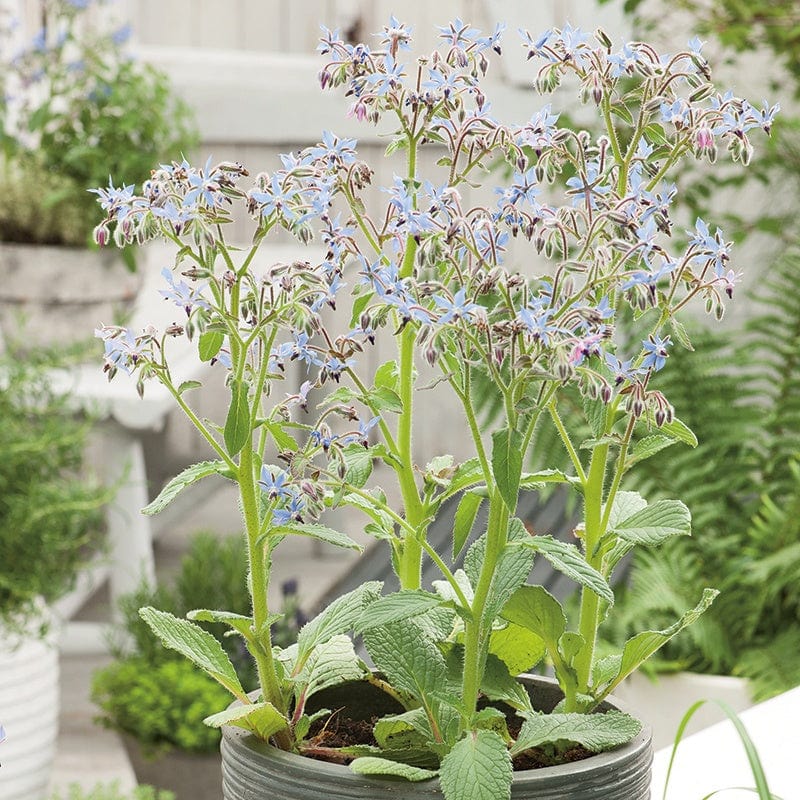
(252, 770)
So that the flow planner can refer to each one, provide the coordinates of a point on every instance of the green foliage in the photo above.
(50, 521)
(111, 791)
(82, 109)
(742, 485)
(163, 705)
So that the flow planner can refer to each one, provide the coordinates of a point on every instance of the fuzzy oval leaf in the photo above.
(625, 505)
(534, 608)
(199, 646)
(320, 532)
(520, 649)
(656, 523)
(358, 464)
(677, 430)
(237, 423)
(507, 464)
(262, 719)
(331, 663)
(186, 478)
(401, 605)
(209, 344)
(339, 617)
(238, 622)
(566, 558)
(372, 765)
(477, 768)
(648, 446)
(466, 512)
(596, 732)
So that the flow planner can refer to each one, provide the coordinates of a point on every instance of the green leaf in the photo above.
(237, 424)
(372, 765)
(199, 646)
(320, 532)
(359, 304)
(656, 523)
(209, 344)
(675, 429)
(330, 663)
(566, 558)
(466, 474)
(282, 439)
(240, 623)
(262, 719)
(477, 768)
(534, 608)
(498, 684)
(358, 464)
(339, 617)
(464, 520)
(402, 731)
(647, 447)
(387, 375)
(681, 335)
(595, 411)
(520, 649)
(625, 505)
(343, 395)
(507, 464)
(512, 570)
(186, 478)
(401, 605)
(187, 385)
(411, 662)
(640, 647)
(596, 732)
(385, 399)
(533, 480)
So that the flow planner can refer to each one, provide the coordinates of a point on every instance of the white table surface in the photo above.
(714, 758)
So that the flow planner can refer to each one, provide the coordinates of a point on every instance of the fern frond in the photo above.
(772, 667)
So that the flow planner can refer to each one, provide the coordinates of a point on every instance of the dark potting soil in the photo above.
(338, 730)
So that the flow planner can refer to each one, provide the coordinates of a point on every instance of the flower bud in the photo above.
(101, 235)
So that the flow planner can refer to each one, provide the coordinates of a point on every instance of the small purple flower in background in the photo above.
(584, 348)
(655, 349)
(121, 35)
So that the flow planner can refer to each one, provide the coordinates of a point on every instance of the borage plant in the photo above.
(429, 270)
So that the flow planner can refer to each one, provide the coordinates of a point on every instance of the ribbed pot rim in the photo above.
(637, 751)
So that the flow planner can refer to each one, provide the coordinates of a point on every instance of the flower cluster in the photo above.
(438, 272)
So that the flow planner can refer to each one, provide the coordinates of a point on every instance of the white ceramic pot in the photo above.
(59, 295)
(29, 706)
(663, 702)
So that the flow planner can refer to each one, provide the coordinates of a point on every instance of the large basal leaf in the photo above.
(320, 532)
(262, 719)
(566, 558)
(656, 523)
(464, 520)
(186, 478)
(339, 617)
(330, 663)
(401, 605)
(640, 647)
(403, 731)
(371, 765)
(596, 732)
(411, 662)
(477, 768)
(507, 464)
(237, 423)
(199, 646)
